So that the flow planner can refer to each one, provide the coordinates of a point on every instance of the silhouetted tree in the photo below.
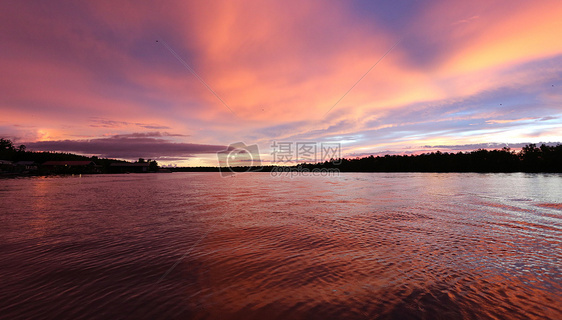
(7, 149)
(153, 166)
(6, 145)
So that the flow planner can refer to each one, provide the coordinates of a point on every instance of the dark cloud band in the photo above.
(130, 146)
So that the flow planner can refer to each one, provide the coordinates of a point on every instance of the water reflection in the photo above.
(356, 246)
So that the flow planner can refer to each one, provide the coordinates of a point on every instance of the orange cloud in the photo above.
(280, 67)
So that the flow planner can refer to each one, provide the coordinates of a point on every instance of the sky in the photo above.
(179, 81)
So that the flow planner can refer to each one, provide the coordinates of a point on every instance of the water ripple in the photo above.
(358, 246)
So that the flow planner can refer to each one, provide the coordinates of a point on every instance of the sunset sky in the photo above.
(112, 78)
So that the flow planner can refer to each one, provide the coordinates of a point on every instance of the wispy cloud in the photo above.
(466, 20)
(491, 145)
(509, 120)
(105, 123)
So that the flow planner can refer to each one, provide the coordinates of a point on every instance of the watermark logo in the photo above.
(285, 152)
(239, 158)
(289, 159)
(299, 171)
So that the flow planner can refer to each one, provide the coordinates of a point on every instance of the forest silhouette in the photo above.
(13, 153)
(531, 158)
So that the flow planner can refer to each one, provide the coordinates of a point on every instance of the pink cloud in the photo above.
(278, 66)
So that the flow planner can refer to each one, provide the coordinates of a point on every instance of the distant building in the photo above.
(26, 166)
(70, 167)
(125, 167)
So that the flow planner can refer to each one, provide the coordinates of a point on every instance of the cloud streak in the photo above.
(130, 147)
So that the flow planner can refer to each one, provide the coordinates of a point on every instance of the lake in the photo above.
(353, 246)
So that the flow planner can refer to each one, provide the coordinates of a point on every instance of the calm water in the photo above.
(357, 246)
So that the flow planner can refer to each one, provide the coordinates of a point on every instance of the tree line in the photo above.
(10, 152)
(530, 159)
